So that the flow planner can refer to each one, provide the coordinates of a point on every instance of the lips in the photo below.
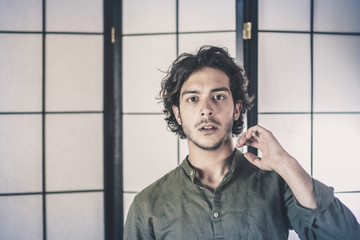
(208, 129)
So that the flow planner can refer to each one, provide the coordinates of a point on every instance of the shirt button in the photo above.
(191, 173)
(216, 215)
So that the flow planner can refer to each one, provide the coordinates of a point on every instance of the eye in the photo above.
(219, 97)
(192, 99)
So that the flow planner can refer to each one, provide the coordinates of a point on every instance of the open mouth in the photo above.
(208, 129)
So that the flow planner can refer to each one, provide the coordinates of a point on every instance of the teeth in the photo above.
(208, 127)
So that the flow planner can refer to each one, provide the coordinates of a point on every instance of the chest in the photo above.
(234, 212)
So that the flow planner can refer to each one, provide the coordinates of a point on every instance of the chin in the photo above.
(210, 146)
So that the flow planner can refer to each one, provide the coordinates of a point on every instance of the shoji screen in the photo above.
(309, 84)
(154, 33)
(51, 119)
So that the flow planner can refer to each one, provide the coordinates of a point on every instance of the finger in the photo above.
(257, 128)
(253, 159)
(252, 143)
(241, 140)
(252, 134)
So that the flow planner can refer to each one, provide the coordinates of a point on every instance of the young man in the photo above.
(218, 192)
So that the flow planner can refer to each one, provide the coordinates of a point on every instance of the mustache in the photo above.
(207, 120)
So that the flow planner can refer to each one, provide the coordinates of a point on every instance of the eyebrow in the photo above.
(221, 89)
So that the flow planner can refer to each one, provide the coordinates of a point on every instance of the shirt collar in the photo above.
(237, 161)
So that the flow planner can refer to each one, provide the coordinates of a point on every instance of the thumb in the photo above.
(253, 159)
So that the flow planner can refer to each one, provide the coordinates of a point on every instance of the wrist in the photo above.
(285, 164)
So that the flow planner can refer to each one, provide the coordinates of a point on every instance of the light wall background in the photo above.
(51, 100)
(51, 119)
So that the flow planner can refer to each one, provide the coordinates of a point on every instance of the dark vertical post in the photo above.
(239, 32)
(113, 168)
(251, 59)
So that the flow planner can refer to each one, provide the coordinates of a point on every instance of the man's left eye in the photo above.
(219, 97)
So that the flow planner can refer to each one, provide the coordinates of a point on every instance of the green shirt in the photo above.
(248, 204)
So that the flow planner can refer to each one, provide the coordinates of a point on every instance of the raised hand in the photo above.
(273, 154)
(275, 158)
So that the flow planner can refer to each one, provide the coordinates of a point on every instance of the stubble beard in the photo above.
(216, 145)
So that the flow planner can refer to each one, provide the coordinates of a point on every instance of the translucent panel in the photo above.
(128, 199)
(337, 16)
(20, 15)
(192, 42)
(293, 235)
(74, 73)
(352, 201)
(75, 216)
(334, 161)
(284, 15)
(21, 217)
(150, 151)
(20, 72)
(294, 134)
(284, 72)
(20, 153)
(149, 16)
(183, 149)
(336, 73)
(74, 15)
(145, 59)
(205, 15)
(74, 152)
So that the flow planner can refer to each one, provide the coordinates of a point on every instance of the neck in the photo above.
(212, 165)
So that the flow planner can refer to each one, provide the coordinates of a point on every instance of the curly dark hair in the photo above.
(187, 64)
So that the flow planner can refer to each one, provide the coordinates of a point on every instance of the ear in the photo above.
(176, 112)
(237, 110)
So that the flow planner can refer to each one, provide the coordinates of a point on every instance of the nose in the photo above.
(206, 108)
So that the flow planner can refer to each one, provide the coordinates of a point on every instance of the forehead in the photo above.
(206, 78)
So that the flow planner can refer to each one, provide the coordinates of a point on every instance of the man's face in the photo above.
(207, 109)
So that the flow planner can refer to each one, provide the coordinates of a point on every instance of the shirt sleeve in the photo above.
(134, 225)
(330, 220)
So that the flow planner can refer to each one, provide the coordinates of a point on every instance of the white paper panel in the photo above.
(294, 134)
(150, 151)
(337, 16)
(293, 235)
(75, 216)
(21, 217)
(74, 73)
(192, 42)
(336, 73)
(21, 15)
(352, 201)
(20, 72)
(336, 140)
(284, 73)
(183, 150)
(128, 199)
(74, 152)
(20, 153)
(291, 15)
(206, 15)
(74, 15)
(149, 16)
(144, 59)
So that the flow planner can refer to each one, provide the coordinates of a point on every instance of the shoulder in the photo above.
(159, 189)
